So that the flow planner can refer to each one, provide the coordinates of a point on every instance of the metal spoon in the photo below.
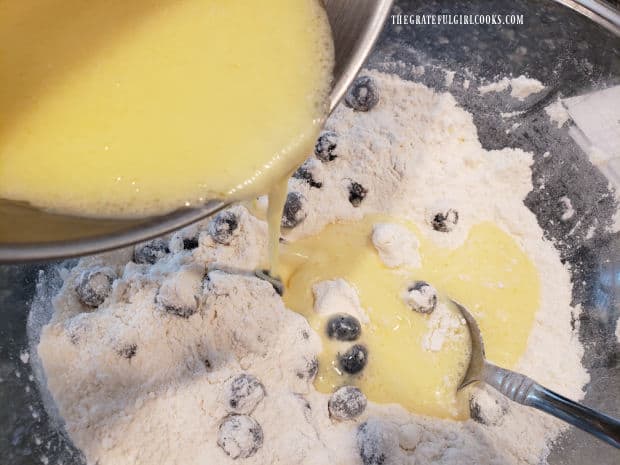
(526, 391)
(29, 234)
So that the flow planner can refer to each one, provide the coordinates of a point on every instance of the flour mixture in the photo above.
(175, 352)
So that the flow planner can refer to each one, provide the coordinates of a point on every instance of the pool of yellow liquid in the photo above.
(129, 108)
(489, 274)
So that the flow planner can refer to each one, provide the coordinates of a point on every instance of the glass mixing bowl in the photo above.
(571, 55)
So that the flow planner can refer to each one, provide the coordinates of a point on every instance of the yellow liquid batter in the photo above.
(127, 108)
(277, 200)
(489, 274)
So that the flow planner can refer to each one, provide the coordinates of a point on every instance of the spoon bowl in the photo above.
(525, 391)
(30, 234)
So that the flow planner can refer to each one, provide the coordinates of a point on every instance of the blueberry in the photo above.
(128, 351)
(357, 193)
(445, 221)
(240, 436)
(370, 453)
(179, 294)
(94, 286)
(354, 360)
(346, 403)
(180, 311)
(325, 148)
(223, 226)
(421, 297)
(305, 173)
(486, 410)
(363, 94)
(344, 327)
(190, 243)
(149, 252)
(378, 443)
(294, 212)
(244, 392)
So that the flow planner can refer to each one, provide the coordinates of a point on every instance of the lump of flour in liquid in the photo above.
(337, 296)
(396, 244)
(189, 338)
(443, 325)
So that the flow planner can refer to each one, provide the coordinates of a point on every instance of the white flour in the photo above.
(141, 379)
(520, 87)
(443, 324)
(557, 113)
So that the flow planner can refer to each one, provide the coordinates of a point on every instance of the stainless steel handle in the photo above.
(526, 391)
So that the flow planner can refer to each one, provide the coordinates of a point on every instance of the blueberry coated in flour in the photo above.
(304, 173)
(370, 445)
(445, 221)
(353, 360)
(150, 252)
(94, 286)
(244, 393)
(240, 436)
(180, 310)
(363, 94)
(326, 145)
(223, 226)
(347, 403)
(357, 193)
(344, 327)
(175, 307)
(294, 212)
(489, 413)
(421, 297)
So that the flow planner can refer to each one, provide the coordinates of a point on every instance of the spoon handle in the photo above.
(526, 391)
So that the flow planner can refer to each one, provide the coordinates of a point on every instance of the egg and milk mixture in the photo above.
(130, 108)
(489, 274)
